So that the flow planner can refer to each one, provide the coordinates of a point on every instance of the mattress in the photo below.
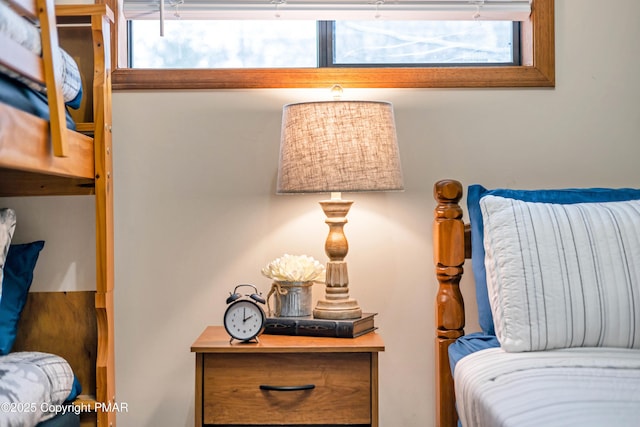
(568, 387)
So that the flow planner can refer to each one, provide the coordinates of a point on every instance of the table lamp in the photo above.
(334, 147)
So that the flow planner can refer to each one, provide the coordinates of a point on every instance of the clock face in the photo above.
(244, 320)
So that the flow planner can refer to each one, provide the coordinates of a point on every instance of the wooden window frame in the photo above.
(537, 69)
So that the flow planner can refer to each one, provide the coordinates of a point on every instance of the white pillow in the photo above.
(7, 226)
(563, 275)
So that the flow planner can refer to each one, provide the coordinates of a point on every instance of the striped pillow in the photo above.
(562, 275)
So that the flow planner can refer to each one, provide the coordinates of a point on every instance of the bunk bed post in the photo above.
(105, 364)
(449, 256)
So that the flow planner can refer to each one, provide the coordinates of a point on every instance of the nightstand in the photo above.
(286, 380)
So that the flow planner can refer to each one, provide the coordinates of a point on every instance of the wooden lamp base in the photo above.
(337, 303)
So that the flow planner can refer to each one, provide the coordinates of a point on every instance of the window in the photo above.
(223, 44)
(295, 43)
(421, 43)
(535, 68)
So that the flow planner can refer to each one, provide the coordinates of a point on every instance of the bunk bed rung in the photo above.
(86, 127)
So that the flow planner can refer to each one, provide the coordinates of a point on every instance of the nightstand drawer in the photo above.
(341, 392)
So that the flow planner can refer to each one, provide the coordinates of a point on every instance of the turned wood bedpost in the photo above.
(448, 256)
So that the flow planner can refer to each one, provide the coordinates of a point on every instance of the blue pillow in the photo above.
(76, 389)
(18, 275)
(562, 196)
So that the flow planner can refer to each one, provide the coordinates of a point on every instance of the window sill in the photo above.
(525, 76)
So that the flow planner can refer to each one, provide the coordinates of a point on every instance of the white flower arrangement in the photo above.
(294, 268)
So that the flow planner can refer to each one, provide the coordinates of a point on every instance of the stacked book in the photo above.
(309, 326)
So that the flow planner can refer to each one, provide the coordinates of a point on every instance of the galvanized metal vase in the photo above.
(292, 299)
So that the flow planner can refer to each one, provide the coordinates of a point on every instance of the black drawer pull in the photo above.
(287, 387)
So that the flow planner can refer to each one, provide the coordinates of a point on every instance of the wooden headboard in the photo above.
(451, 246)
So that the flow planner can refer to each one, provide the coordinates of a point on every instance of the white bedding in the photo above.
(33, 385)
(568, 387)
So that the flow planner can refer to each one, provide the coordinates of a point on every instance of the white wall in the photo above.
(196, 212)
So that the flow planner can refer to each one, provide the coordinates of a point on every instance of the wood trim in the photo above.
(538, 53)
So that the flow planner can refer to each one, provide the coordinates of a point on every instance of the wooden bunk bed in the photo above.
(45, 157)
(553, 238)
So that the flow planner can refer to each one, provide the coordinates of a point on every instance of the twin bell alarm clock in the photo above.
(244, 318)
